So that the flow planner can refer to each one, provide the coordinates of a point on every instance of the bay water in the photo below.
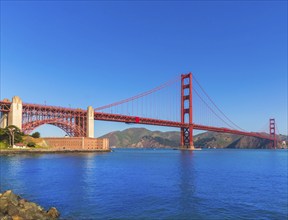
(153, 183)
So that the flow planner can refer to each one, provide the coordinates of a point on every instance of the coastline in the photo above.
(47, 151)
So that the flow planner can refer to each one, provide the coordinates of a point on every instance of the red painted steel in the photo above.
(138, 96)
(150, 121)
(70, 128)
(186, 132)
(5, 106)
(213, 103)
(272, 131)
(73, 121)
(35, 115)
(137, 119)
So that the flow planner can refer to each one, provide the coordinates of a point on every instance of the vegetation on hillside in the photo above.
(12, 135)
(141, 137)
(35, 135)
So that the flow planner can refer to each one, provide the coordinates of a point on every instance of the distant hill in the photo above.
(141, 137)
(224, 140)
(144, 138)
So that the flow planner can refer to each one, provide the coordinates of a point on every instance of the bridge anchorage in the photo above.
(80, 122)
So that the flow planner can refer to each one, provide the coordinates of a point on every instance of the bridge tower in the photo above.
(186, 111)
(272, 129)
(15, 114)
(90, 122)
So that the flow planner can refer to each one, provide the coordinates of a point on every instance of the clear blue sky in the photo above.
(80, 53)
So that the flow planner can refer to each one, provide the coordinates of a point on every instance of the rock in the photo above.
(16, 217)
(11, 197)
(22, 203)
(53, 212)
(6, 217)
(13, 207)
(12, 210)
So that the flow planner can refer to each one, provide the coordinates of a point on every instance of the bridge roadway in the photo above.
(158, 122)
(5, 106)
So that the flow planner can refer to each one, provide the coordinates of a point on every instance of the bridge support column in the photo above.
(272, 129)
(3, 120)
(15, 114)
(90, 122)
(186, 111)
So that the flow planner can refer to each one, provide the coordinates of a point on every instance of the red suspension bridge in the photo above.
(192, 109)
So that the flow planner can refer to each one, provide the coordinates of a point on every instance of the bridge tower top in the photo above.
(17, 100)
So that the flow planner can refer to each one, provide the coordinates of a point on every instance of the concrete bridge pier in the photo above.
(3, 120)
(15, 114)
(90, 122)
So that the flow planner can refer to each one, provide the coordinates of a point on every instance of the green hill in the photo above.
(141, 137)
(144, 138)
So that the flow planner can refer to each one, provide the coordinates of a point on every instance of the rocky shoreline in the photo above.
(13, 207)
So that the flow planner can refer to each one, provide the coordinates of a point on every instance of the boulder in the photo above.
(53, 213)
(13, 207)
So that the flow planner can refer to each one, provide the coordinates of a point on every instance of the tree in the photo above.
(14, 134)
(36, 134)
(3, 134)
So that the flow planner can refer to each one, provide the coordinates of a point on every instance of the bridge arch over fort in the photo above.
(75, 122)
(70, 129)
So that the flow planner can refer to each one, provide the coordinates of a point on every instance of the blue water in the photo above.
(154, 184)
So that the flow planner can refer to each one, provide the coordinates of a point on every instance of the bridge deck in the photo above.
(150, 121)
(5, 106)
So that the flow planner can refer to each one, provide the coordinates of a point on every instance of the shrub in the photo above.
(36, 134)
(31, 144)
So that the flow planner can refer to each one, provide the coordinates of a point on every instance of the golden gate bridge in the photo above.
(181, 103)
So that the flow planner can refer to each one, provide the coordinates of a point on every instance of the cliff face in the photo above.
(143, 138)
(250, 142)
(214, 140)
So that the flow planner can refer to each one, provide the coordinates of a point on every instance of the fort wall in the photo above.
(77, 143)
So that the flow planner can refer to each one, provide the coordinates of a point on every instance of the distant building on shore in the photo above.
(77, 143)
